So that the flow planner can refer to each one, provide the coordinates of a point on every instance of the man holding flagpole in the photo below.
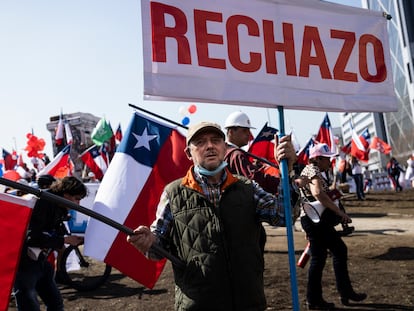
(238, 128)
(210, 219)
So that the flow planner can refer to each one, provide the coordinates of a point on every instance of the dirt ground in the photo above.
(381, 263)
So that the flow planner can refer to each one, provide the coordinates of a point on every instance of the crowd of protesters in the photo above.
(394, 176)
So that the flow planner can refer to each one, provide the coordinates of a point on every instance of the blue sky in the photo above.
(85, 56)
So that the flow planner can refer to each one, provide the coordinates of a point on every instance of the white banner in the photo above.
(308, 55)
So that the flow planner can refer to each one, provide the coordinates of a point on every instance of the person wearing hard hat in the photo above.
(238, 128)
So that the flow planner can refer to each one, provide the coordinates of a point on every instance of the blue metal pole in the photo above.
(288, 214)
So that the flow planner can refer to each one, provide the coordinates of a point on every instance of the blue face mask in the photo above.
(205, 172)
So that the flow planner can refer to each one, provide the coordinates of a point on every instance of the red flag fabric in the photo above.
(303, 155)
(68, 133)
(9, 160)
(149, 156)
(263, 146)
(14, 218)
(20, 161)
(12, 175)
(118, 134)
(59, 132)
(360, 145)
(380, 145)
(61, 165)
(325, 134)
(103, 151)
(94, 160)
(347, 148)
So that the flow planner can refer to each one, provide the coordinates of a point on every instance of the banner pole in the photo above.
(71, 205)
(288, 215)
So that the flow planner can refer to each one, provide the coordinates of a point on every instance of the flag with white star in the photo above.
(264, 143)
(303, 154)
(93, 158)
(150, 155)
(325, 134)
(61, 165)
(360, 144)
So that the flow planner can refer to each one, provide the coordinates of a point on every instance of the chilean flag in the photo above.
(10, 160)
(360, 145)
(95, 161)
(347, 148)
(325, 134)
(68, 133)
(263, 145)
(380, 145)
(15, 215)
(118, 134)
(61, 165)
(59, 133)
(151, 154)
(303, 155)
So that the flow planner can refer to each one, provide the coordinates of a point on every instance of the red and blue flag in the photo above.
(93, 158)
(151, 155)
(303, 155)
(325, 134)
(263, 145)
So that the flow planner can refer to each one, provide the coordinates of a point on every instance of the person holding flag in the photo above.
(210, 219)
(238, 127)
(35, 275)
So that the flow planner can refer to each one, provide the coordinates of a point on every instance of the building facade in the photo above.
(81, 125)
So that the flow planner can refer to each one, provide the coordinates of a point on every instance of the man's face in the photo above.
(239, 136)
(207, 150)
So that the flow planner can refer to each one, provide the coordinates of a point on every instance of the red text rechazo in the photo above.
(264, 30)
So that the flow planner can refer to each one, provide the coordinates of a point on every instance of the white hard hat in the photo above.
(239, 119)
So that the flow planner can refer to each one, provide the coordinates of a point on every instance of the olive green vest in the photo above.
(220, 247)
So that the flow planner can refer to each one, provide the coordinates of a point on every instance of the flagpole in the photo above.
(186, 127)
(288, 216)
(71, 205)
(159, 116)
